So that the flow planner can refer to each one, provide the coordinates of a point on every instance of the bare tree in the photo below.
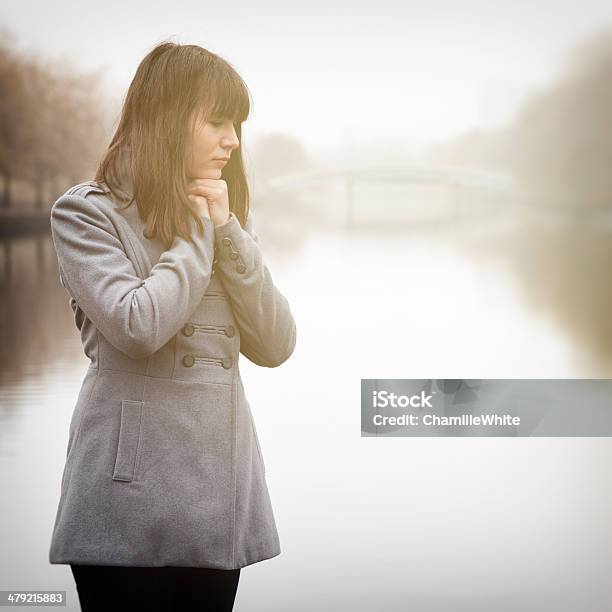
(52, 123)
(564, 135)
(13, 116)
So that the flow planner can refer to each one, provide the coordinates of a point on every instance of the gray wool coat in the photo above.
(163, 465)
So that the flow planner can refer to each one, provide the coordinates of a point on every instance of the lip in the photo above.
(222, 159)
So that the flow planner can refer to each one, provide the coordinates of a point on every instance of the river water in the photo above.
(365, 523)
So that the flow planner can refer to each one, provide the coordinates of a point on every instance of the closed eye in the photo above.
(220, 122)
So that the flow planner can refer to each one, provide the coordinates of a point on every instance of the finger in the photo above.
(198, 199)
(200, 205)
(212, 191)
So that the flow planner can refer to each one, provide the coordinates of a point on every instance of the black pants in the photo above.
(106, 587)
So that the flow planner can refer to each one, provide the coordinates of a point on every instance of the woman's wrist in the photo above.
(229, 218)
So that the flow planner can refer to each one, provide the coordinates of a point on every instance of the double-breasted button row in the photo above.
(234, 254)
(190, 328)
(189, 361)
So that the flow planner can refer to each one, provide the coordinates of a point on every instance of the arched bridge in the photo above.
(502, 188)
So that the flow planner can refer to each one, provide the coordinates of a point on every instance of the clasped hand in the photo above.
(209, 194)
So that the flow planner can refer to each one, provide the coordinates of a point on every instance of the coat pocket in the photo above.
(129, 440)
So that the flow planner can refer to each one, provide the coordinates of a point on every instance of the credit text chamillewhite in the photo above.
(384, 399)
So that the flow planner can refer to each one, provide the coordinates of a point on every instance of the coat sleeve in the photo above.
(267, 327)
(136, 316)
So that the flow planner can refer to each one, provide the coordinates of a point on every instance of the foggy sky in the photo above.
(336, 74)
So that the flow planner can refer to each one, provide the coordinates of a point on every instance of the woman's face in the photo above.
(212, 145)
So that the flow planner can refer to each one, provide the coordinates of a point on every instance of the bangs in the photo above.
(225, 94)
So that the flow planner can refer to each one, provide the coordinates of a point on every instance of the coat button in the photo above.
(229, 331)
(240, 268)
(227, 241)
(188, 361)
(188, 329)
(227, 363)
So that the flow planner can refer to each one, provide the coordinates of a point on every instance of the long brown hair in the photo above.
(174, 86)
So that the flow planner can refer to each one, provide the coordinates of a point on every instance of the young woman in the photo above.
(164, 496)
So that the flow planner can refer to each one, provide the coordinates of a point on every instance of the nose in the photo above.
(230, 139)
